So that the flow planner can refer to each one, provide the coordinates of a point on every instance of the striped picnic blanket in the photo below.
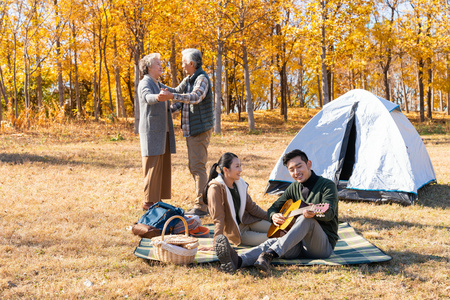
(351, 248)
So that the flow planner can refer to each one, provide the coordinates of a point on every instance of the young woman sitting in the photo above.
(233, 211)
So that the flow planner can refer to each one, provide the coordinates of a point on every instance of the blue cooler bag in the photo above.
(159, 213)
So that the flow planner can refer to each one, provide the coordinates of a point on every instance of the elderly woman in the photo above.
(156, 133)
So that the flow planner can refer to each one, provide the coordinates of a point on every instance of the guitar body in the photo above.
(279, 231)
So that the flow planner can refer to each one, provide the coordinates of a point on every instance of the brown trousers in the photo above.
(157, 176)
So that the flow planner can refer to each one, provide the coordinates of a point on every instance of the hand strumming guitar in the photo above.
(278, 219)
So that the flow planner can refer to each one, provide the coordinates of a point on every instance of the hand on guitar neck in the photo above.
(282, 221)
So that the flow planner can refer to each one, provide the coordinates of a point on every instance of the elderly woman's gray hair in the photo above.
(193, 55)
(146, 62)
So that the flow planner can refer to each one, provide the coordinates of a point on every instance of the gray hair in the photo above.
(193, 55)
(146, 62)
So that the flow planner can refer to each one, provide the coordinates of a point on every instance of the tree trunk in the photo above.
(95, 89)
(325, 83)
(77, 85)
(421, 90)
(288, 92)
(213, 67)
(15, 77)
(1, 106)
(218, 87)
(385, 69)
(243, 104)
(271, 93)
(448, 103)
(137, 55)
(448, 85)
(248, 93)
(26, 77)
(40, 94)
(429, 91)
(3, 87)
(111, 106)
(405, 97)
(319, 88)
(363, 79)
(238, 100)
(271, 73)
(99, 86)
(120, 105)
(351, 79)
(26, 85)
(70, 86)
(3, 93)
(331, 80)
(129, 84)
(300, 84)
(173, 63)
(284, 91)
(58, 59)
(226, 88)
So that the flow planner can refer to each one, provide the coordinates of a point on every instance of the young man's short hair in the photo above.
(294, 153)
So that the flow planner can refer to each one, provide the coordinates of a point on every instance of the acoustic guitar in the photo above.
(290, 211)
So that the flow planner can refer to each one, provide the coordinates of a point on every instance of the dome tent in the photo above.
(367, 146)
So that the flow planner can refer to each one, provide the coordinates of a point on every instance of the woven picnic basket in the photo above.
(176, 249)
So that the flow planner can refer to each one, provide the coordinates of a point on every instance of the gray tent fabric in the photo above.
(367, 146)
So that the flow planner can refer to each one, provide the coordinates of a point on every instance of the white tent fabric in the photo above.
(389, 153)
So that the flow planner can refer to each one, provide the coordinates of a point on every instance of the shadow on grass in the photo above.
(17, 158)
(397, 266)
(21, 158)
(434, 196)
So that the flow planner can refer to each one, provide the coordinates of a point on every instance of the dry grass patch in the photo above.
(69, 193)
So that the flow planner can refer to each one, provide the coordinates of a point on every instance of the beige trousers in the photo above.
(197, 147)
(157, 176)
(255, 233)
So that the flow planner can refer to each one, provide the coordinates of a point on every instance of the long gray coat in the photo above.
(153, 120)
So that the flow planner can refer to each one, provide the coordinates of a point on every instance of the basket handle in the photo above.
(167, 223)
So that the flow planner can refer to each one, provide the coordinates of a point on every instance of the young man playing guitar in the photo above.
(309, 237)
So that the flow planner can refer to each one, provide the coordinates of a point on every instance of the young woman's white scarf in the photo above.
(242, 189)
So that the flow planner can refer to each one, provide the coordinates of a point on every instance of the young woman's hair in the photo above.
(224, 162)
(294, 153)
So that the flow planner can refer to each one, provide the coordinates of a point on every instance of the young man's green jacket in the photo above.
(324, 191)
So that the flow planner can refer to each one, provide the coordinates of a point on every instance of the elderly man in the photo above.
(194, 98)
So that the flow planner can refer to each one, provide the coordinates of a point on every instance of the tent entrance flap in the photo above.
(347, 155)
